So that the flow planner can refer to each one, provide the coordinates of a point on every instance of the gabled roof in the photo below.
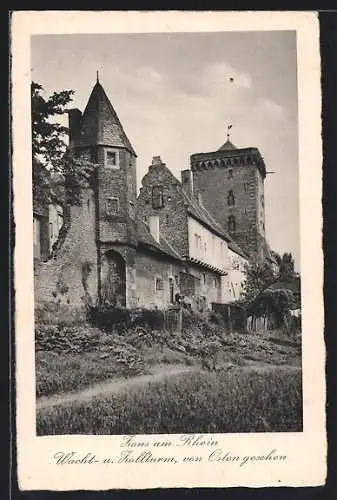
(194, 208)
(100, 124)
(235, 248)
(145, 238)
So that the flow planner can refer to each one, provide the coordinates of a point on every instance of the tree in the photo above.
(286, 264)
(52, 160)
(259, 277)
(48, 138)
(265, 292)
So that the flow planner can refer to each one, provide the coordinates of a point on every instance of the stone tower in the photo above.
(98, 135)
(229, 182)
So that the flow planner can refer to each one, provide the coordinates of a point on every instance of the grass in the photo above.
(233, 401)
(68, 372)
(98, 356)
(52, 312)
(163, 355)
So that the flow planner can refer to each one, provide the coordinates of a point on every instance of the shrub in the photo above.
(57, 373)
(52, 313)
(60, 338)
(117, 319)
(110, 318)
(153, 319)
(217, 319)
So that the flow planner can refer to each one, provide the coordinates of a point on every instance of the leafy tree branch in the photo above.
(57, 172)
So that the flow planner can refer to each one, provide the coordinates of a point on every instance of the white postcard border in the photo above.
(306, 452)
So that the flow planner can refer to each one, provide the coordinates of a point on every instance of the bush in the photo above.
(56, 373)
(114, 319)
(117, 319)
(51, 313)
(110, 318)
(154, 319)
(193, 403)
(207, 323)
(61, 338)
(217, 319)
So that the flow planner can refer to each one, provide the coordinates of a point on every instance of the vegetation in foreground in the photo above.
(201, 402)
(70, 358)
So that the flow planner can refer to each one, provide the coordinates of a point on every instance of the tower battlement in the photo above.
(228, 158)
(230, 182)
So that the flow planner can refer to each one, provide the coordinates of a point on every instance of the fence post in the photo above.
(229, 319)
(180, 319)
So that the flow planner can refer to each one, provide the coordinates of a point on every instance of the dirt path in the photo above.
(113, 386)
(158, 373)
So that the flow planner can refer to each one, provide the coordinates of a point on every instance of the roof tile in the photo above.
(144, 237)
(100, 123)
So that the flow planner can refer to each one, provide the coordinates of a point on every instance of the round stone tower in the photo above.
(99, 136)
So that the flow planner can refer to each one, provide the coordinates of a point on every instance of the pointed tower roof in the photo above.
(100, 123)
(228, 146)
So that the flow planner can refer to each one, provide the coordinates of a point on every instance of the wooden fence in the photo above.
(173, 319)
(258, 323)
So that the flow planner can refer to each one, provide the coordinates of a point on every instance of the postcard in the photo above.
(168, 252)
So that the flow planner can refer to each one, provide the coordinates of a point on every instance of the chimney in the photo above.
(187, 181)
(75, 117)
(154, 227)
(156, 160)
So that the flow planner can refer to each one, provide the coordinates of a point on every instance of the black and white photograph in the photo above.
(169, 230)
(166, 233)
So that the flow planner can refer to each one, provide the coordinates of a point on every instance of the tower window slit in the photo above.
(231, 223)
(230, 199)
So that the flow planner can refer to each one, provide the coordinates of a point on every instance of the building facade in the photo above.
(229, 182)
(185, 240)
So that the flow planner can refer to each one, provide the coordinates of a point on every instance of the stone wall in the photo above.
(71, 275)
(128, 254)
(149, 267)
(200, 287)
(214, 186)
(117, 183)
(240, 173)
(173, 214)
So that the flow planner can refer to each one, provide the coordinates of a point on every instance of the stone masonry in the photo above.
(71, 276)
(131, 251)
(229, 183)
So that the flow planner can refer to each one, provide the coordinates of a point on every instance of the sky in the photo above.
(174, 95)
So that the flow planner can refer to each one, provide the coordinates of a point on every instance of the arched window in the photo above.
(231, 224)
(230, 198)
